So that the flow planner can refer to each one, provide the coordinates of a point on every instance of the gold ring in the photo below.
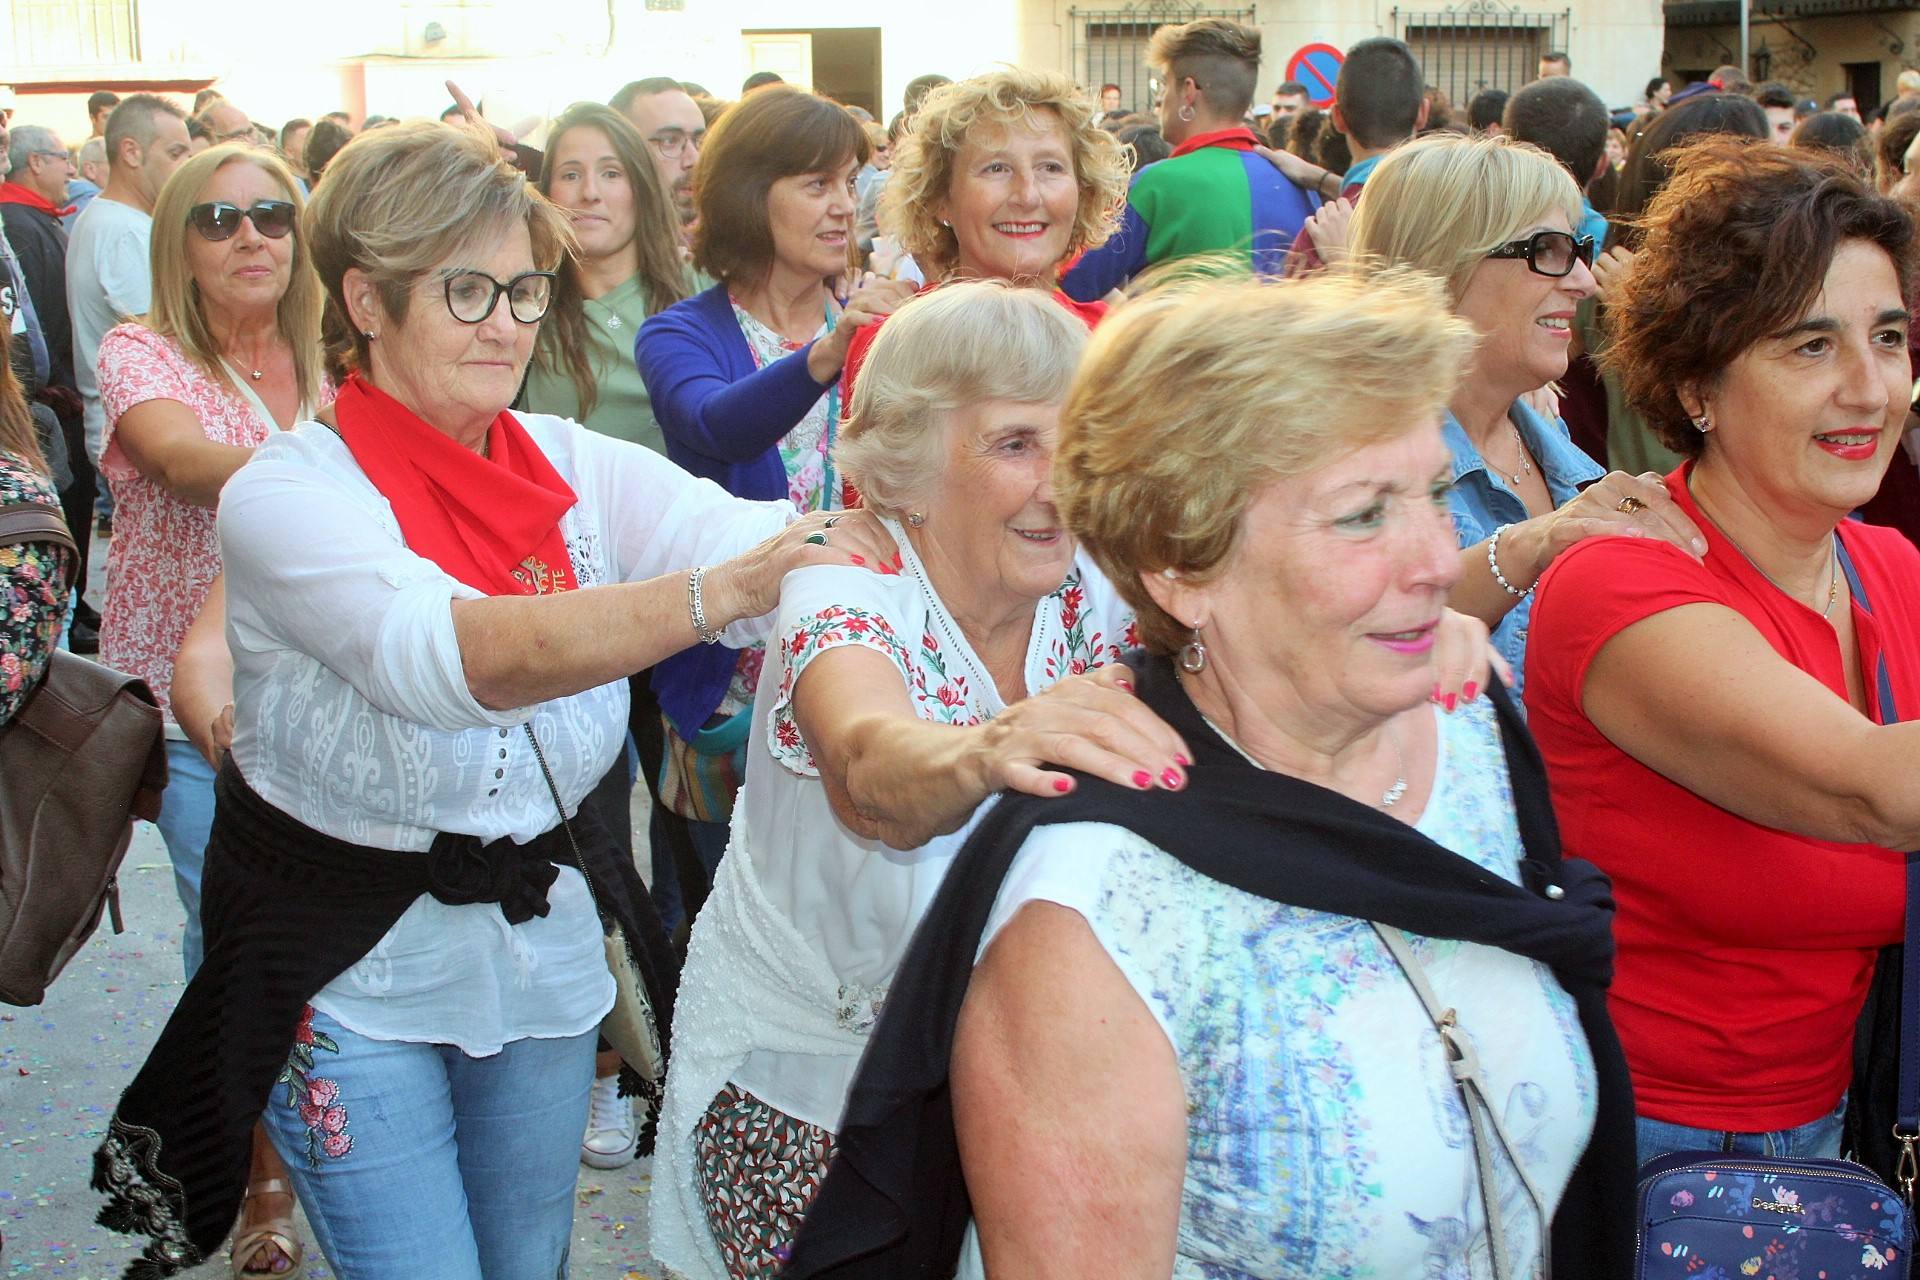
(1629, 504)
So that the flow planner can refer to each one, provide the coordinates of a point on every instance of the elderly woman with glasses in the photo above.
(432, 604)
(1495, 219)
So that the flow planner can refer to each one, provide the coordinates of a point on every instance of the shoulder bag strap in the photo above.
(1906, 1122)
(39, 522)
(1481, 1115)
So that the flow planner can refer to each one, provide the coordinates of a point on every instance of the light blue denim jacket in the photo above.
(1482, 501)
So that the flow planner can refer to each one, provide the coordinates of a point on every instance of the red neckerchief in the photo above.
(15, 193)
(493, 522)
(1236, 139)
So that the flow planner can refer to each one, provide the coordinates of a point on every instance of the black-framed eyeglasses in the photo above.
(472, 295)
(672, 143)
(217, 220)
(1548, 253)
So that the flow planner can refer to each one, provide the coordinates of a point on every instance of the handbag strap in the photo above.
(39, 522)
(1482, 1118)
(1906, 1113)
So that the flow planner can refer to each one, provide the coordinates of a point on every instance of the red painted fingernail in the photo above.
(1435, 695)
(1181, 760)
(1171, 780)
(858, 559)
(1125, 684)
(1063, 784)
(898, 563)
(1142, 779)
(1450, 701)
(1469, 689)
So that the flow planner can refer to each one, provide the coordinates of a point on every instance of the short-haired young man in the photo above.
(1216, 193)
(1568, 121)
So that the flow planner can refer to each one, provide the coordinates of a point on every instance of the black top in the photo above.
(286, 909)
(40, 242)
(894, 1203)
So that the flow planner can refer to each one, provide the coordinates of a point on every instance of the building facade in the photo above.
(1817, 47)
(532, 57)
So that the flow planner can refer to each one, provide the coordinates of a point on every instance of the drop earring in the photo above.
(1193, 654)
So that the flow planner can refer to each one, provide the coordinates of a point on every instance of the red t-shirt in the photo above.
(1744, 951)
(1090, 313)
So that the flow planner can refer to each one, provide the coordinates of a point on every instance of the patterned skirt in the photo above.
(758, 1169)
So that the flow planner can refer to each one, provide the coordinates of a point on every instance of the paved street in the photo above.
(63, 1065)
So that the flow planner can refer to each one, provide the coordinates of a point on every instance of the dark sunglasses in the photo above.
(472, 295)
(1548, 253)
(218, 220)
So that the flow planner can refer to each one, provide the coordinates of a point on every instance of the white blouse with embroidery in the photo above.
(352, 712)
(792, 953)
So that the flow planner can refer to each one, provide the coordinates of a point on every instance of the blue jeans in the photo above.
(418, 1161)
(1815, 1140)
(186, 819)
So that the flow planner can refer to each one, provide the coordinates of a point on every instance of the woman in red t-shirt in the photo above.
(1714, 728)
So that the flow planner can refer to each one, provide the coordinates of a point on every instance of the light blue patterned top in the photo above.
(1325, 1136)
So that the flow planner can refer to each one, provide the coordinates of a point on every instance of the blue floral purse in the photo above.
(1707, 1215)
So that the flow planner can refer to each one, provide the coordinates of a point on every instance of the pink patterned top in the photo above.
(165, 550)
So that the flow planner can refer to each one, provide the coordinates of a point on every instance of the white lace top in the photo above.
(1325, 1136)
(352, 712)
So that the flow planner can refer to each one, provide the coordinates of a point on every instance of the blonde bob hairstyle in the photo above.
(402, 199)
(961, 344)
(176, 310)
(1196, 397)
(1011, 97)
(1442, 202)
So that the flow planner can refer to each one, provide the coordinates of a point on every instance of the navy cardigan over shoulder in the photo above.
(723, 419)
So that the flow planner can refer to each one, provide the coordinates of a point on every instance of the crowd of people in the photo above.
(1111, 611)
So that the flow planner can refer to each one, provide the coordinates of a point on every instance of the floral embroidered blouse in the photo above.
(165, 551)
(33, 592)
(856, 901)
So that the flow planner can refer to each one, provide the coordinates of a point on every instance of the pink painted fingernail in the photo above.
(1171, 779)
(1142, 779)
(1469, 689)
(1435, 695)
(1450, 701)
(1125, 684)
(1063, 784)
(858, 559)
(1181, 760)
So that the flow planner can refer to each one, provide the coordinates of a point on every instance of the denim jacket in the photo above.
(1482, 501)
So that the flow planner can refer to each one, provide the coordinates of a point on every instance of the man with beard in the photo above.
(669, 119)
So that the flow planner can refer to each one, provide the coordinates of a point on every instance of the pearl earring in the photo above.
(367, 334)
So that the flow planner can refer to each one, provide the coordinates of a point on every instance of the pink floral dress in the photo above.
(165, 550)
(33, 592)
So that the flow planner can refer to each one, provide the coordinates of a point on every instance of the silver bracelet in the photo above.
(697, 607)
(1493, 548)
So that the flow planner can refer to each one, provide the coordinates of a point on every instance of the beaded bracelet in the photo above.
(1493, 548)
(697, 607)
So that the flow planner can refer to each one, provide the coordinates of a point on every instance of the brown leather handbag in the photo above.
(79, 760)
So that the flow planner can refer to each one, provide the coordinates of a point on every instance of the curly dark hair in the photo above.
(1737, 245)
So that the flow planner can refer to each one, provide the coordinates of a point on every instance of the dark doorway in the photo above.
(1863, 82)
(842, 63)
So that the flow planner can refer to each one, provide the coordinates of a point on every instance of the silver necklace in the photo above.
(1526, 463)
(1388, 798)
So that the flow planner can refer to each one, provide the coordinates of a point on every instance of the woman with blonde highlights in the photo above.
(1180, 1031)
(432, 606)
(1496, 220)
(1002, 177)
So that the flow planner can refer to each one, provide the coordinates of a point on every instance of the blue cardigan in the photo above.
(723, 419)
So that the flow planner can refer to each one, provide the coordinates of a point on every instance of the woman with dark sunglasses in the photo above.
(1496, 220)
(227, 355)
(432, 603)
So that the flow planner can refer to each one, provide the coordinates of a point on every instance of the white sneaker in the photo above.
(611, 1133)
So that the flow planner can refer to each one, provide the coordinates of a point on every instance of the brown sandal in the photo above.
(277, 1232)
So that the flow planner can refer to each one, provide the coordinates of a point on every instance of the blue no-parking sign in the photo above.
(1316, 66)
